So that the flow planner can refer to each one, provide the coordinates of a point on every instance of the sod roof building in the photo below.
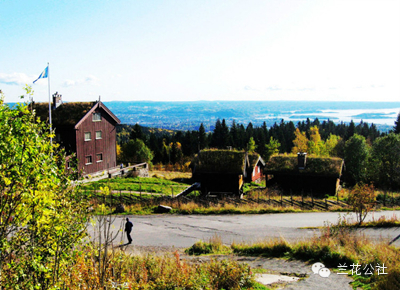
(225, 171)
(308, 175)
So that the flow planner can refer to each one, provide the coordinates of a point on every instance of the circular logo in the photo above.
(316, 267)
(324, 272)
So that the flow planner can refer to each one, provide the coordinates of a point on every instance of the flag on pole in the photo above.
(43, 75)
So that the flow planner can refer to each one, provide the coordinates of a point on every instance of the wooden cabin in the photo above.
(225, 171)
(87, 130)
(305, 175)
(255, 170)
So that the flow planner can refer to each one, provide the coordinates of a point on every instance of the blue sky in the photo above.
(202, 50)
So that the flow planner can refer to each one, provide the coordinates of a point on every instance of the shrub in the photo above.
(155, 272)
(362, 200)
(213, 246)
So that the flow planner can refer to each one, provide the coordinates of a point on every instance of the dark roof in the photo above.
(220, 161)
(321, 166)
(69, 113)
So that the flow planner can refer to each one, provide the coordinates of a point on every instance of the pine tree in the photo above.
(217, 133)
(271, 148)
(396, 128)
(289, 135)
(155, 148)
(351, 130)
(202, 137)
(251, 146)
(225, 136)
(241, 137)
(265, 130)
(136, 133)
(249, 131)
(234, 134)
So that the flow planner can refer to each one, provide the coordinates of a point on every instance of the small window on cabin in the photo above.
(96, 117)
(88, 136)
(68, 164)
(98, 134)
(99, 157)
(258, 169)
(88, 160)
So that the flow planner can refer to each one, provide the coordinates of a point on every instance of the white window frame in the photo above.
(91, 160)
(101, 154)
(101, 135)
(90, 136)
(96, 117)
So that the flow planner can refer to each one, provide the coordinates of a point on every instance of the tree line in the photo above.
(324, 138)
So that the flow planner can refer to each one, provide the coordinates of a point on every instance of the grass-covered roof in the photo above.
(220, 161)
(254, 158)
(65, 114)
(323, 166)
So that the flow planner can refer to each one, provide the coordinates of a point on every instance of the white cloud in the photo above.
(89, 80)
(274, 88)
(249, 88)
(17, 79)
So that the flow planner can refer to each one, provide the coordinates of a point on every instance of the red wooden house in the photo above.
(255, 169)
(86, 130)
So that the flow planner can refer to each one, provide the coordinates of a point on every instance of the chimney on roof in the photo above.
(301, 160)
(57, 101)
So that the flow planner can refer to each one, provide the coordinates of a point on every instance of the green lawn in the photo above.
(138, 184)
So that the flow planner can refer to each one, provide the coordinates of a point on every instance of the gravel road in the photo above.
(184, 230)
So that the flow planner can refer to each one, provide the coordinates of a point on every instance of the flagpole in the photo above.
(48, 82)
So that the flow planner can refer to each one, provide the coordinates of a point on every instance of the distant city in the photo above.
(189, 115)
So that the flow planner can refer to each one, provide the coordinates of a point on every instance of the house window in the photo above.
(98, 134)
(96, 117)
(88, 136)
(88, 160)
(68, 164)
(99, 157)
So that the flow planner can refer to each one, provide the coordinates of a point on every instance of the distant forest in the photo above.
(170, 147)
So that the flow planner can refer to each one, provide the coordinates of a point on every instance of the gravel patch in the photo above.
(308, 280)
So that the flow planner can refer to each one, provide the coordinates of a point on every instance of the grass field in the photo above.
(143, 195)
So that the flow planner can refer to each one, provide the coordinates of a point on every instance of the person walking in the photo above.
(128, 230)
